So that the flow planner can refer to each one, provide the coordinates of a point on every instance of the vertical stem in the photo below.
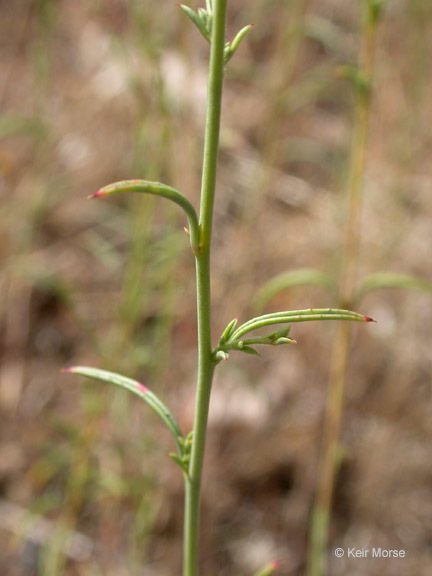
(329, 456)
(356, 177)
(205, 362)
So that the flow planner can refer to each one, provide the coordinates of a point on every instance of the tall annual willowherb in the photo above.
(190, 447)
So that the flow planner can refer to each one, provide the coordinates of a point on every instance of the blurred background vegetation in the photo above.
(97, 91)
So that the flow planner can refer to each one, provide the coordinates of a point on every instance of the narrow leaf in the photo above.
(195, 18)
(281, 333)
(228, 331)
(280, 341)
(391, 280)
(286, 280)
(291, 316)
(249, 350)
(156, 189)
(136, 388)
(179, 461)
(206, 19)
(231, 47)
(240, 36)
(264, 340)
(325, 32)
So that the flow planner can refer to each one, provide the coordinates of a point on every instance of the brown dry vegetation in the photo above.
(92, 92)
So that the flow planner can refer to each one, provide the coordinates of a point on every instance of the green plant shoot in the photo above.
(210, 21)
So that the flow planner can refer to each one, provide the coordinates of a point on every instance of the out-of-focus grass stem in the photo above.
(348, 278)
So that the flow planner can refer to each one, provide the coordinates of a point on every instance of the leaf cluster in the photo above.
(203, 19)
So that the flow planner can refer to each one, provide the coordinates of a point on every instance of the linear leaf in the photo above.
(269, 340)
(156, 189)
(391, 280)
(249, 350)
(136, 388)
(291, 316)
(231, 47)
(300, 277)
(228, 331)
(195, 18)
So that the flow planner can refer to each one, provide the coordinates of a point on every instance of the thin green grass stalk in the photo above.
(339, 360)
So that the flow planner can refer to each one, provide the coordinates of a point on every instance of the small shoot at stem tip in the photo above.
(202, 19)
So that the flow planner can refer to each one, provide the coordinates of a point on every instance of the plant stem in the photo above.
(205, 362)
(333, 417)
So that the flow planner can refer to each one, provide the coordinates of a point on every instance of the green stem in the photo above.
(205, 362)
